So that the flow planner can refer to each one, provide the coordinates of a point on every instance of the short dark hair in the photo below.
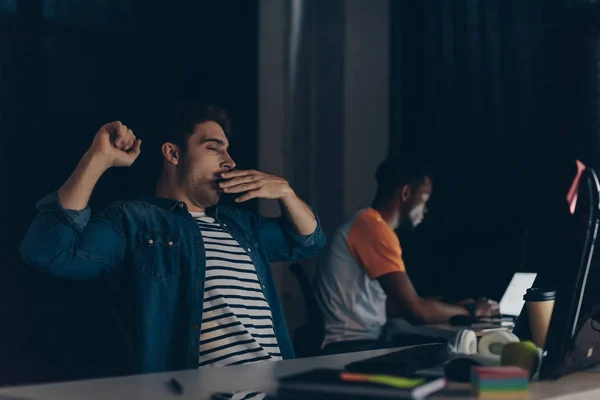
(394, 173)
(182, 117)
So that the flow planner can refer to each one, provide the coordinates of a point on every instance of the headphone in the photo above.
(465, 342)
(490, 345)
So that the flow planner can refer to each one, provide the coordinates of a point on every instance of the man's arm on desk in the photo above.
(406, 302)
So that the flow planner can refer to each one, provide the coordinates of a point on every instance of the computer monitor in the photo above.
(573, 340)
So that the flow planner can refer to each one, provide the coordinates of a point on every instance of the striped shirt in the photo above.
(237, 325)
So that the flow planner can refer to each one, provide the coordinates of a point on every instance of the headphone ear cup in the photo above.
(492, 343)
(465, 342)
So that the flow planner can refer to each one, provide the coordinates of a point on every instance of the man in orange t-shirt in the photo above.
(365, 267)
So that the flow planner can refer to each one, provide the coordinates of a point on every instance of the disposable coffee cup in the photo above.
(539, 303)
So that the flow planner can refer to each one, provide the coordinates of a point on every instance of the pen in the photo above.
(176, 386)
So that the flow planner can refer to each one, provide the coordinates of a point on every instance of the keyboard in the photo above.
(466, 320)
(405, 362)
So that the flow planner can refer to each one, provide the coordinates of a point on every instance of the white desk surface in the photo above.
(200, 384)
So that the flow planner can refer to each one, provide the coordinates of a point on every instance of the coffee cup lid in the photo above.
(538, 294)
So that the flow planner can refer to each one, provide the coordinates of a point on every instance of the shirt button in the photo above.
(249, 250)
(180, 205)
(170, 243)
(150, 241)
(225, 225)
(198, 283)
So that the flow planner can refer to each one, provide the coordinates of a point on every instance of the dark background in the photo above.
(66, 68)
(499, 95)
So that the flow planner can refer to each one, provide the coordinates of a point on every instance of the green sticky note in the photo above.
(396, 381)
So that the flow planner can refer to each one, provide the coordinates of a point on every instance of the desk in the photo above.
(200, 384)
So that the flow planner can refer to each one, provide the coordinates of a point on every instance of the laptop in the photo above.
(512, 301)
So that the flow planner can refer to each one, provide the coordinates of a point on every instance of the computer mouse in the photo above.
(459, 369)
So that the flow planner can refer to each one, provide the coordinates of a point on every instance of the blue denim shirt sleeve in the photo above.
(73, 244)
(283, 243)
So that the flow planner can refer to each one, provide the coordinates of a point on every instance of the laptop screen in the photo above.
(512, 301)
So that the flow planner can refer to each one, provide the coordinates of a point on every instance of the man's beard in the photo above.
(416, 215)
(411, 217)
(202, 192)
(204, 195)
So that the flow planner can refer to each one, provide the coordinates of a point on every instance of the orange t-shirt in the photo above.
(375, 245)
(347, 290)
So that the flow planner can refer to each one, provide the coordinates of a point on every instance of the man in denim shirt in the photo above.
(170, 259)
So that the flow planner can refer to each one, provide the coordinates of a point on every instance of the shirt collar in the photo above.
(174, 205)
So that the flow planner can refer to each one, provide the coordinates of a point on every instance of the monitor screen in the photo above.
(512, 301)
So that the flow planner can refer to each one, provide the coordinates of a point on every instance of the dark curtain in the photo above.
(579, 77)
(577, 118)
(67, 67)
(475, 86)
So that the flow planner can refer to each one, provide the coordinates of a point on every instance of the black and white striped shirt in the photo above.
(237, 325)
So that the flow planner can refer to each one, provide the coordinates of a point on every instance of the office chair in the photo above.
(308, 338)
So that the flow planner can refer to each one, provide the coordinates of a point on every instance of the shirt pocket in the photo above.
(158, 254)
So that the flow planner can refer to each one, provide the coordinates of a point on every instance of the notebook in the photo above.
(326, 382)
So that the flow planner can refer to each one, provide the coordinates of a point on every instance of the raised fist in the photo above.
(116, 144)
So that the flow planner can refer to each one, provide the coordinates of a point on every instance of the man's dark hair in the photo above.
(394, 173)
(182, 117)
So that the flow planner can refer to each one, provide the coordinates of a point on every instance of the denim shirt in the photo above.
(151, 255)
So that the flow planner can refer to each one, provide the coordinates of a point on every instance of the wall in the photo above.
(366, 96)
(323, 109)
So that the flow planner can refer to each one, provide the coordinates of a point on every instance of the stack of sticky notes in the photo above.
(500, 382)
